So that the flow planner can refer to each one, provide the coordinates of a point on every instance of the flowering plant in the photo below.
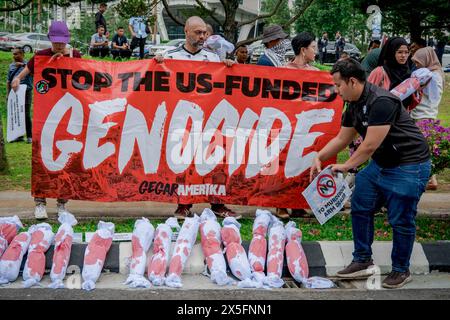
(438, 138)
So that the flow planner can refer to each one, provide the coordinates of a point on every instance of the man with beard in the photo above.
(196, 33)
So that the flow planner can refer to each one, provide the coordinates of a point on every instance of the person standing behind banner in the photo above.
(14, 70)
(193, 50)
(59, 35)
(241, 55)
(395, 177)
(431, 93)
(323, 43)
(119, 45)
(393, 68)
(138, 28)
(275, 53)
(304, 47)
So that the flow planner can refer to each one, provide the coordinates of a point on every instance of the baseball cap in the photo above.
(58, 32)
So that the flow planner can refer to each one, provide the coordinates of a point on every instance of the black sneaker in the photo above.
(357, 270)
(396, 279)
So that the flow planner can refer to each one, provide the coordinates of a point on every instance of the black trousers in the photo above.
(99, 52)
(122, 53)
(138, 42)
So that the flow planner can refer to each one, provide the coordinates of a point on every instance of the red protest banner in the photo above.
(180, 131)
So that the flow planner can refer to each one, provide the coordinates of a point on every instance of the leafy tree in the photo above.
(332, 16)
(283, 14)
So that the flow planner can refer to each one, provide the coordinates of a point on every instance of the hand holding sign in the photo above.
(327, 194)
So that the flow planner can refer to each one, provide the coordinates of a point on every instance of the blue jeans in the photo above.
(399, 190)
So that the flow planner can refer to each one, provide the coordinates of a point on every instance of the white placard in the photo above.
(16, 113)
(327, 194)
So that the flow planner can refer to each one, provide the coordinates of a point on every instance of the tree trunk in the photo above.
(415, 29)
(3, 161)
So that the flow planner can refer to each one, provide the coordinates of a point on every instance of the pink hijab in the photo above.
(427, 58)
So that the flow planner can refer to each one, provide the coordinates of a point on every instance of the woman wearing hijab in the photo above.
(393, 68)
(431, 92)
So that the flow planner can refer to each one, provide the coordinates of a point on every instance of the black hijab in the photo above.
(396, 72)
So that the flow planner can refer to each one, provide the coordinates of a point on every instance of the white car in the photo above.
(446, 57)
(29, 42)
(160, 49)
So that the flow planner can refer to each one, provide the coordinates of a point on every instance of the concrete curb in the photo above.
(325, 258)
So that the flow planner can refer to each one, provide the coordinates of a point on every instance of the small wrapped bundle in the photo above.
(9, 226)
(41, 239)
(418, 78)
(275, 257)
(11, 259)
(212, 248)
(159, 261)
(295, 255)
(258, 246)
(63, 248)
(95, 254)
(235, 253)
(141, 240)
(181, 252)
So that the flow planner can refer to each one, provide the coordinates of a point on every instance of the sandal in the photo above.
(282, 213)
(299, 213)
(223, 212)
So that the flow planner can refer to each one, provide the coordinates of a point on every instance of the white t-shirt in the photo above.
(181, 53)
(428, 107)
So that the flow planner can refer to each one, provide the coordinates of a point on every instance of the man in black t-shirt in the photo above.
(396, 177)
(119, 45)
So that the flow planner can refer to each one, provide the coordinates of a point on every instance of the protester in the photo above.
(14, 70)
(241, 54)
(99, 44)
(393, 68)
(431, 93)
(193, 49)
(274, 54)
(59, 36)
(100, 19)
(339, 45)
(119, 45)
(395, 177)
(138, 27)
(373, 44)
(440, 48)
(323, 42)
(304, 47)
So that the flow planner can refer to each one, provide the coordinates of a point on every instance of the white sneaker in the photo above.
(60, 207)
(40, 211)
